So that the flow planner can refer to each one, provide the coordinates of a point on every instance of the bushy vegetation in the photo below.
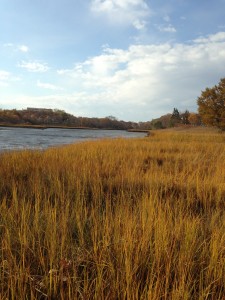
(176, 119)
(211, 105)
(50, 117)
(115, 219)
(53, 118)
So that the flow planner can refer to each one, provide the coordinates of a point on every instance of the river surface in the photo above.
(30, 138)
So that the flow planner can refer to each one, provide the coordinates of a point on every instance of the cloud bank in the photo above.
(138, 83)
(34, 66)
(146, 81)
(130, 12)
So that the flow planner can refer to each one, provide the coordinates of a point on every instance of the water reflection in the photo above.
(30, 138)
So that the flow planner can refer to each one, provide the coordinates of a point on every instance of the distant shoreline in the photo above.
(65, 127)
(42, 126)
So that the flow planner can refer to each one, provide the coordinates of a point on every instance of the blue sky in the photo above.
(133, 59)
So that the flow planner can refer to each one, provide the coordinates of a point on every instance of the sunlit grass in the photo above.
(115, 219)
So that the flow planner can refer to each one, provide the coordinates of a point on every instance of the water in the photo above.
(29, 138)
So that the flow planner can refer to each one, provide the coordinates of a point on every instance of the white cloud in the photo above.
(8, 45)
(212, 38)
(166, 18)
(124, 5)
(23, 48)
(139, 25)
(47, 86)
(4, 75)
(34, 66)
(6, 78)
(167, 28)
(146, 81)
(131, 12)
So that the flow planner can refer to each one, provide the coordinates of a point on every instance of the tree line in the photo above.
(56, 117)
(177, 118)
(211, 111)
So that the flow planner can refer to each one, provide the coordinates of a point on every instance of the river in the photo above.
(12, 138)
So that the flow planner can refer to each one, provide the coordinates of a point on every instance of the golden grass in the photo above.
(115, 219)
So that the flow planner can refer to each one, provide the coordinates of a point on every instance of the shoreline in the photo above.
(42, 126)
(66, 127)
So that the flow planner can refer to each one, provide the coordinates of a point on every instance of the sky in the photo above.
(132, 59)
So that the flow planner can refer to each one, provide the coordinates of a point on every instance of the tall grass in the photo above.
(115, 219)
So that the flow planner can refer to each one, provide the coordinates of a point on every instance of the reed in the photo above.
(115, 219)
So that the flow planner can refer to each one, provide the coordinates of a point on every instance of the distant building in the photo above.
(39, 109)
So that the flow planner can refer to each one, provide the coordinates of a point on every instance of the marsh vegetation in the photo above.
(115, 219)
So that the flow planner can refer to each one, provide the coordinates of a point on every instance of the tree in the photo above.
(185, 117)
(211, 105)
(175, 117)
(158, 125)
(195, 119)
(111, 118)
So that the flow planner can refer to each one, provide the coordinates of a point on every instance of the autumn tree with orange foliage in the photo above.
(211, 105)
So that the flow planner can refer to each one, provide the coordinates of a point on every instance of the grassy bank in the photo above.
(115, 219)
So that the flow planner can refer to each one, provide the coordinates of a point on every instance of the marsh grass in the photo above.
(115, 219)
